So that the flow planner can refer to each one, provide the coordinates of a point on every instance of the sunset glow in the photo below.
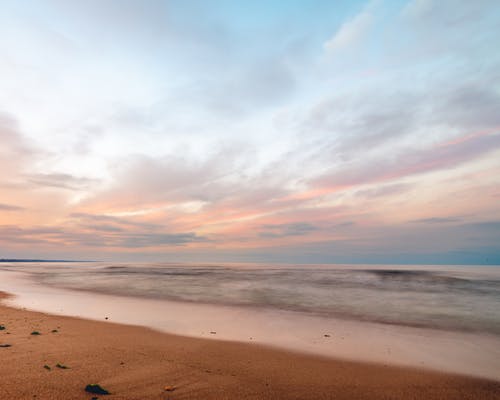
(304, 132)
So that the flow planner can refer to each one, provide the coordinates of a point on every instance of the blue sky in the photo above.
(227, 131)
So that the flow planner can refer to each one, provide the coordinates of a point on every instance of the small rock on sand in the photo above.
(95, 389)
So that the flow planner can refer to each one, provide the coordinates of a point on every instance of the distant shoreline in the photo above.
(14, 260)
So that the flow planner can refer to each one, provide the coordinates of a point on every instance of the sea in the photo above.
(465, 298)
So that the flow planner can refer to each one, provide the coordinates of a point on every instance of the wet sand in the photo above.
(139, 363)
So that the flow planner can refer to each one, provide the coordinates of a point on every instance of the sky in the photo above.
(264, 131)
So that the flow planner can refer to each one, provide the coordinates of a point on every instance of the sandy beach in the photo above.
(139, 363)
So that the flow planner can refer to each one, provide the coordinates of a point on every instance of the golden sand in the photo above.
(139, 363)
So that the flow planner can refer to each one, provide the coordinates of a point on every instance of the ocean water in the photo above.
(441, 297)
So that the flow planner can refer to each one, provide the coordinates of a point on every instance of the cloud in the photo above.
(350, 32)
(452, 13)
(346, 122)
(61, 180)
(160, 239)
(437, 220)
(102, 228)
(474, 243)
(260, 84)
(412, 162)
(95, 238)
(8, 207)
(384, 190)
(15, 149)
(109, 222)
(19, 158)
(144, 181)
(265, 83)
(473, 105)
(226, 182)
(418, 8)
(285, 230)
(458, 33)
(371, 138)
(122, 232)
(489, 227)
(373, 120)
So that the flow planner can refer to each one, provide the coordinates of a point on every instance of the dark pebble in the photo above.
(96, 389)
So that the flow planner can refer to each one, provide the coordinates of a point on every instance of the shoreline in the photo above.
(136, 363)
(441, 351)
